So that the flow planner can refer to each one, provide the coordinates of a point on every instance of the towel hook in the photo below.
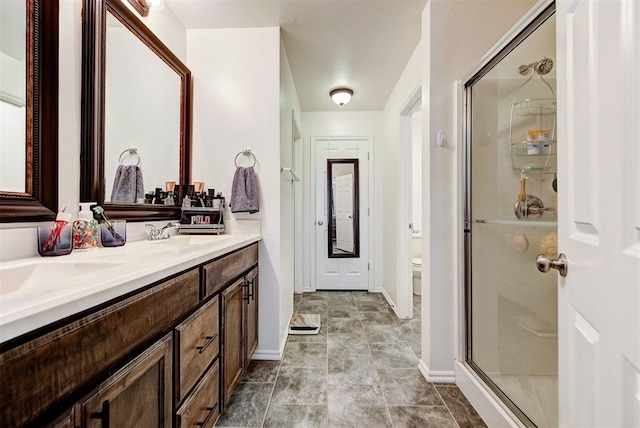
(131, 152)
(245, 153)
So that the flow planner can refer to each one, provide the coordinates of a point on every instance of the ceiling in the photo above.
(360, 44)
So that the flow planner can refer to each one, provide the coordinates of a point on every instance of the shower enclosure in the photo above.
(510, 219)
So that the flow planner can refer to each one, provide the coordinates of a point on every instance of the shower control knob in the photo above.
(320, 223)
(544, 264)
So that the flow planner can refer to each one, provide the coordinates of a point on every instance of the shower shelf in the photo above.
(535, 107)
(534, 148)
(531, 116)
(532, 223)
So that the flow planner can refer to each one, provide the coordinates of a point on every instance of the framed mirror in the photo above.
(343, 208)
(29, 110)
(136, 116)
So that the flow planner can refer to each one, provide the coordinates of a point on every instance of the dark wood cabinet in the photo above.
(51, 367)
(201, 408)
(107, 366)
(239, 329)
(233, 328)
(219, 273)
(197, 345)
(138, 395)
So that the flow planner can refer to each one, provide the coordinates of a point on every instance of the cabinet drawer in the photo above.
(219, 272)
(201, 409)
(197, 341)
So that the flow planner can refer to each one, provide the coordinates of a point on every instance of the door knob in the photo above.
(561, 264)
(320, 223)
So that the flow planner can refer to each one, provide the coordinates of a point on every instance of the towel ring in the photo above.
(245, 153)
(131, 152)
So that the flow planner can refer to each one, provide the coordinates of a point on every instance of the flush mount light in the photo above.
(341, 96)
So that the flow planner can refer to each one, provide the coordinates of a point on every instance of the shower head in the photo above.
(542, 67)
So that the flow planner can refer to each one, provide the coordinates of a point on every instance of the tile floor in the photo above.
(359, 371)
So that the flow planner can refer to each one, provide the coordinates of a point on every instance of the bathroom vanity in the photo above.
(157, 351)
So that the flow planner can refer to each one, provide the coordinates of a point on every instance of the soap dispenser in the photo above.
(85, 228)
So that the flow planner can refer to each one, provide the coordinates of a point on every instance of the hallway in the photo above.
(359, 371)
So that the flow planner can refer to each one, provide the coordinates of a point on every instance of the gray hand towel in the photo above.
(127, 185)
(244, 191)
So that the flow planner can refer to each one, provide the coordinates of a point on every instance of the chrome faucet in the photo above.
(157, 234)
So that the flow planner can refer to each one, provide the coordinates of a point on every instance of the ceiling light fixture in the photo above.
(341, 96)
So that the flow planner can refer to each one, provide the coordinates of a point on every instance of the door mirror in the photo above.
(343, 209)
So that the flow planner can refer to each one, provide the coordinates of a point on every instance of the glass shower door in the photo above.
(511, 218)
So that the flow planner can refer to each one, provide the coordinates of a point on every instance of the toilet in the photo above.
(416, 263)
(416, 267)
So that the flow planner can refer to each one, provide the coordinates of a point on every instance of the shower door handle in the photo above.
(561, 264)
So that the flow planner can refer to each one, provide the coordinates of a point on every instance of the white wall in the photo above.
(19, 239)
(235, 107)
(456, 34)
(394, 154)
(416, 170)
(342, 124)
(288, 239)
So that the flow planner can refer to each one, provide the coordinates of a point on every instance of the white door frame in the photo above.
(404, 293)
(364, 210)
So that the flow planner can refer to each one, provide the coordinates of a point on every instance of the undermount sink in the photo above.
(56, 274)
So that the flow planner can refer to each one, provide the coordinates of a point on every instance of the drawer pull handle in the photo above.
(103, 415)
(209, 341)
(211, 412)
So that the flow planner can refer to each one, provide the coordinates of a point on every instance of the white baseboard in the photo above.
(489, 407)
(390, 302)
(433, 376)
(270, 354)
(266, 354)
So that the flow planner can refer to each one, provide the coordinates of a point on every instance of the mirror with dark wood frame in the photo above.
(32, 193)
(128, 113)
(343, 208)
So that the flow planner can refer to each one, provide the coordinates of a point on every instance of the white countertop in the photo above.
(56, 287)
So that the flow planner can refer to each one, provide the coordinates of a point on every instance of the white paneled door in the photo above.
(347, 269)
(599, 225)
